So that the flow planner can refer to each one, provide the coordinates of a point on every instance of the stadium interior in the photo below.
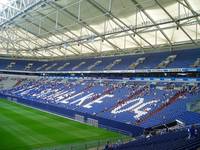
(105, 74)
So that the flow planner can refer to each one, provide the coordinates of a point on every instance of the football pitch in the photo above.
(23, 128)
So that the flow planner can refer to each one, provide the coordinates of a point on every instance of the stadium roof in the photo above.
(56, 28)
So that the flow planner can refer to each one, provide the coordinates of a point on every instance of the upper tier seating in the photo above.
(158, 60)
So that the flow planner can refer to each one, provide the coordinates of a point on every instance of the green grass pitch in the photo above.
(26, 128)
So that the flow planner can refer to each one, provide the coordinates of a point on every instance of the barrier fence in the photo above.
(92, 145)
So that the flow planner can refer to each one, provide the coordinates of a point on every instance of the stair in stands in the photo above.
(63, 66)
(115, 62)
(166, 62)
(94, 65)
(78, 66)
(172, 100)
(41, 67)
(50, 67)
(108, 91)
(11, 65)
(196, 63)
(126, 99)
(137, 62)
(89, 86)
(28, 66)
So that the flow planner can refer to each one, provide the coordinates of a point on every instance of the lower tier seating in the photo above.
(138, 103)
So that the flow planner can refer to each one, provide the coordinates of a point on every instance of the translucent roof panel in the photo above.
(91, 27)
(3, 4)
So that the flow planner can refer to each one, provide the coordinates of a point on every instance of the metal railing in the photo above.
(89, 145)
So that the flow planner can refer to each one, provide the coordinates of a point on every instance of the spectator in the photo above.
(192, 132)
(107, 146)
(196, 131)
(189, 133)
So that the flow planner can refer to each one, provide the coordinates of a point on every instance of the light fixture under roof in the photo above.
(65, 45)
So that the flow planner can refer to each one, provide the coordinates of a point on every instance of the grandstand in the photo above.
(100, 74)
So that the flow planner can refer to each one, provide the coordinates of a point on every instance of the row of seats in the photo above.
(179, 139)
(159, 60)
(138, 103)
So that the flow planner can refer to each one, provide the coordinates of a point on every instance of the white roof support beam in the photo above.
(176, 22)
(188, 6)
(16, 9)
(47, 41)
(61, 26)
(111, 16)
(151, 19)
(84, 24)
(10, 41)
(45, 31)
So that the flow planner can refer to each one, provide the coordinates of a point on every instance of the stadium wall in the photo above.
(112, 125)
